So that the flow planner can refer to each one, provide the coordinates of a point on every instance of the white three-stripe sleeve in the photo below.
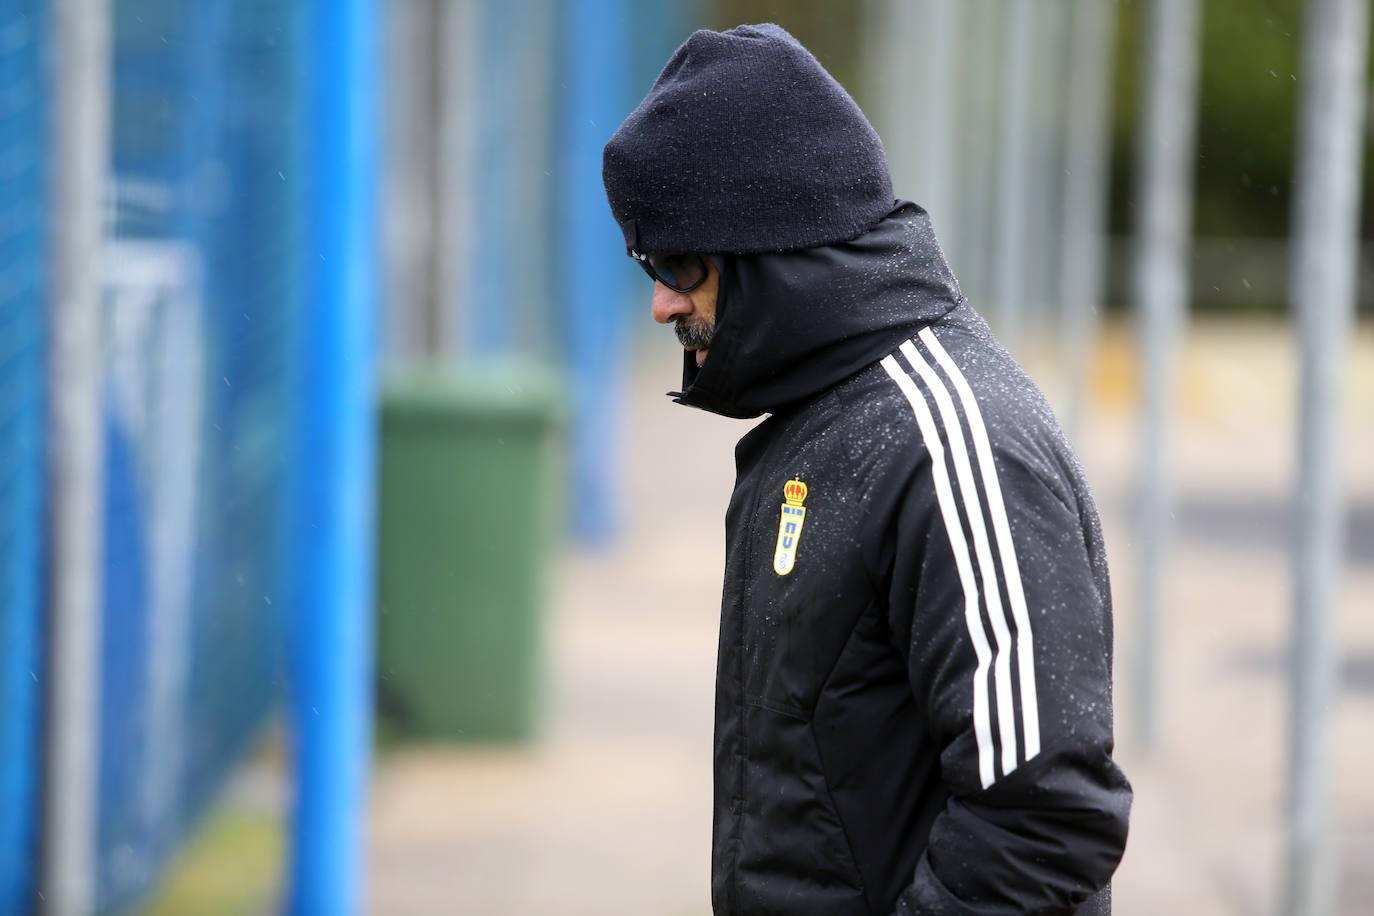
(1011, 571)
(973, 510)
(954, 529)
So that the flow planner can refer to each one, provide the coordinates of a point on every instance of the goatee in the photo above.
(693, 335)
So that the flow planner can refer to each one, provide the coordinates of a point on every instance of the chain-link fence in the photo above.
(197, 327)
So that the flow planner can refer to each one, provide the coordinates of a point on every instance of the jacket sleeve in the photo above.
(1005, 624)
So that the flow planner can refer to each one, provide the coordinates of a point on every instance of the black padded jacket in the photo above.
(913, 696)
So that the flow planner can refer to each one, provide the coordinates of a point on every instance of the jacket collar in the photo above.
(792, 325)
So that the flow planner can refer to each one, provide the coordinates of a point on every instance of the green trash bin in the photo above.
(467, 515)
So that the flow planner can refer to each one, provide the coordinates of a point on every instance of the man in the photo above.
(913, 700)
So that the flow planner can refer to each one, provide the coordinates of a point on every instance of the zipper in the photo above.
(762, 470)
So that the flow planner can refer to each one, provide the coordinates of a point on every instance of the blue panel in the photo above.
(21, 441)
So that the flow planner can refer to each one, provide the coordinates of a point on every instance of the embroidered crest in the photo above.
(789, 526)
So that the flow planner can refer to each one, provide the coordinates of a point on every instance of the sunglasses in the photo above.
(681, 273)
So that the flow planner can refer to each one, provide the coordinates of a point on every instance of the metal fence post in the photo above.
(938, 131)
(79, 165)
(1014, 173)
(889, 74)
(981, 75)
(331, 637)
(455, 174)
(1088, 146)
(914, 100)
(1044, 193)
(23, 258)
(1322, 297)
(595, 69)
(1165, 169)
(508, 192)
(410, 150)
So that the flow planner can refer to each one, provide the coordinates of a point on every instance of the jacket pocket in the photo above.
(795, 856)
(783, 673)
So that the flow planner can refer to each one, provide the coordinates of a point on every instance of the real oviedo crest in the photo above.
(790, 526)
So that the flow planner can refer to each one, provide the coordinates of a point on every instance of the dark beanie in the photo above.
(745, 144)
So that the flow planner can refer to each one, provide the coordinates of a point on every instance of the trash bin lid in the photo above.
(479, 390)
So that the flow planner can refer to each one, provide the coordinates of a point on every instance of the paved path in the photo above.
(610, 814)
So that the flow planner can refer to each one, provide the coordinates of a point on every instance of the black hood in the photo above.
(792, 325)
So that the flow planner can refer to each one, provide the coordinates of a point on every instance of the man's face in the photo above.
(693, 313)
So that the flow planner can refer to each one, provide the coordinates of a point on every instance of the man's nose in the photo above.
(669, 305)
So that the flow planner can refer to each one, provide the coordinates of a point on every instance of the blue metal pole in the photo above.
(21, 449)
(596, 58)
(331, 651)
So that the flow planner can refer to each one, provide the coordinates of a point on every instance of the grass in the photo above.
(231, 866)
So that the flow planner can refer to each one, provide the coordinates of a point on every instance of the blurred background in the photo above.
(333, 447)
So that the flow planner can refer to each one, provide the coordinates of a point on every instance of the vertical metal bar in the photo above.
(940, 134)
(974, 258)
(80, 79)
(1322, 296)
(509, 123)
(1085, 197)
(534, 93)
(23, 34)
(915, 100)
(331, 638)
(1044, 171)
(409, 199)
(514, 145)
(1014, 173)
(1165, 169)
(497, 121)
(459, 26)
(595, 60)
(891, 72)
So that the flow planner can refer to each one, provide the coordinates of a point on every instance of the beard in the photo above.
(693, 334)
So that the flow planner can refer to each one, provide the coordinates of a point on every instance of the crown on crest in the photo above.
(794, 491)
